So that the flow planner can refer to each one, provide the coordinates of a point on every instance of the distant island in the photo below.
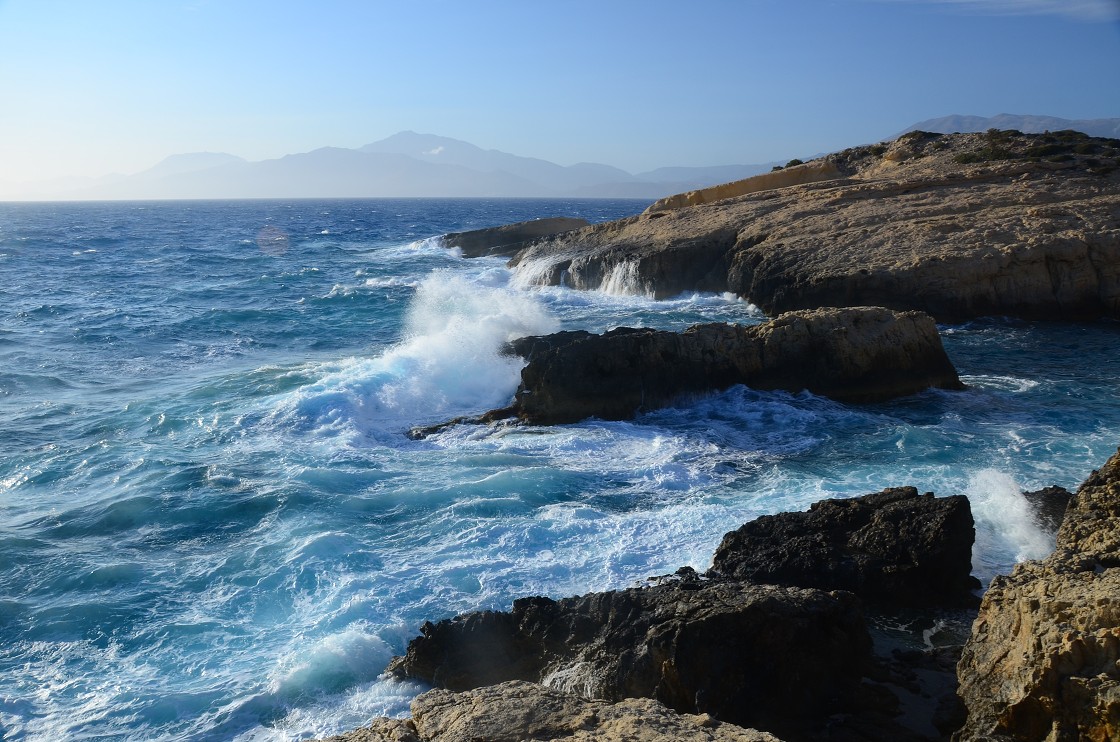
(409, 164)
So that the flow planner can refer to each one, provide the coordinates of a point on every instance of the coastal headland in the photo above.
(792, 633)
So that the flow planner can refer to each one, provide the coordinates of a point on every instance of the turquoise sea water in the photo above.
(212, 525)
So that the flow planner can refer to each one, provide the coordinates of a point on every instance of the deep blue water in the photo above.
(213, 527)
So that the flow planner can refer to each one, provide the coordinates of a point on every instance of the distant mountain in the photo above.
(189, 163)
(404, 165)
(1026, 124)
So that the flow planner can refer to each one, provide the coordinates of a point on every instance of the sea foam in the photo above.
(447, 363)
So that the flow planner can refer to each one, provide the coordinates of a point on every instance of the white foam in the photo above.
(447, 364)
(623, 280)
(1006, 528)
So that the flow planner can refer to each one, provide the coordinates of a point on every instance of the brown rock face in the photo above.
(957, 226)
(739, 652)
(1042, 662)
(895, 547)
(862, 354)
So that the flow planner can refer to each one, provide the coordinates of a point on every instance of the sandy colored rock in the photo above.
(958, 226)
(1042, 661)
(811, 172)
(515, 711)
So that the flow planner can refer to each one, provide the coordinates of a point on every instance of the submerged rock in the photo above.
(516, 711)
(739, 652)
(957, 226)
(1042, 660)
(893, 547)
(863, 354)
(508, 239)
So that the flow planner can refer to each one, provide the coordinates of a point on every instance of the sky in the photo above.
(114, 86)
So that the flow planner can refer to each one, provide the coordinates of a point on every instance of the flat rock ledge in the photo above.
(957, 225)
(860, 354)
(1043, 661)
(517, 711)
(507, 239)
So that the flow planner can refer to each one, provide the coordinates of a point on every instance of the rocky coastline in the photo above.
(793, 633)
(957, 226)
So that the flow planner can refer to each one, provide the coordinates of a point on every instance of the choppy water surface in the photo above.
(213, 527)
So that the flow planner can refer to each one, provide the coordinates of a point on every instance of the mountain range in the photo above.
(409, 164)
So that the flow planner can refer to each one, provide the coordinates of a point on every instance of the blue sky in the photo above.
(90, 88)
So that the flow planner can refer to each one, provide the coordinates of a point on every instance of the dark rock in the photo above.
(858, 355)
(773, 658)
(1049, 504)
(508, 239)
(892, 547)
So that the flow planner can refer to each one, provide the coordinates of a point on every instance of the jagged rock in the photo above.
(508, 239)
(774, 658)
(381, 730)
(1042, 661)
(863, 354)
(957, 226)
(892, 547)
(1049, 505)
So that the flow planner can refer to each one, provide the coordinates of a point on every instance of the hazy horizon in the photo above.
(120, 86)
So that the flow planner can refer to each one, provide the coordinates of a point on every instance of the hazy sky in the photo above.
(92, 87)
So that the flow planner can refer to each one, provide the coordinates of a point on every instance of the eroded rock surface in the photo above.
(958, 226)
(739, 652)
(859, 355)
(1042, 661)
(893, 547)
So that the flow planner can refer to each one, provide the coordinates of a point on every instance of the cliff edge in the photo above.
(957, 225)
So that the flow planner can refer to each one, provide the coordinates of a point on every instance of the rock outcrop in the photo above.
(741, 653)
(860, 355)
(506, 240)
(895, 547)
(811, 172)
(516, 711)
(1043, 661)
(957, 226)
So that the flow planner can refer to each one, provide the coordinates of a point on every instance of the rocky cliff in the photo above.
(1043, 661)
(863, 354)
(958, 226)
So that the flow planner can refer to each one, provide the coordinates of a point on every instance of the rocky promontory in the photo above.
(863, 354)
(958, 226)
(507, 239)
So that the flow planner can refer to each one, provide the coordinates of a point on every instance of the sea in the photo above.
(213, 525)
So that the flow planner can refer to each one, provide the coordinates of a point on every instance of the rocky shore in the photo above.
(793, 633)
(957, 226)
(750, 653)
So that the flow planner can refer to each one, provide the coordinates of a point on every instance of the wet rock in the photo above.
(773, 658)
(1049, 505)
(859, 355)
(508, 239)
(893, 547)
(1042, 660)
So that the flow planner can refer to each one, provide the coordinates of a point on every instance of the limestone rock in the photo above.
(515, 711)
(508, 239)
(863, 354)
(740, 652)
(957, 226)
(893, 547)
(810, 172)
(1042, 661)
